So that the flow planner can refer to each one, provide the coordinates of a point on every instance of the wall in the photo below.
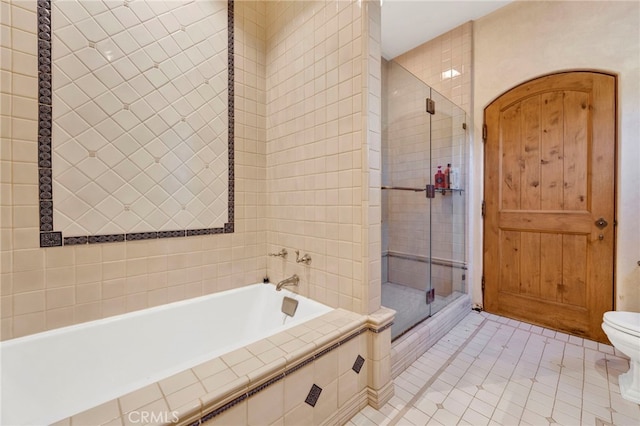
(53, 287)
(323, 150)
(432, 62)
(525, 40)
(308, 178)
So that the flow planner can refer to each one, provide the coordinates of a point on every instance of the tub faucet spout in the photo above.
(291, 281)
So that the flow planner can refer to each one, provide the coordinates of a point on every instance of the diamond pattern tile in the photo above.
(140, 124)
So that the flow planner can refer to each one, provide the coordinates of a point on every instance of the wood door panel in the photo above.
(549, 168)
(574, 269)
(510, 164)
(530, 263)
(550, 267)
(566, 222)
(510, 261)
(567, 318)
(551, 139)
(576, 125)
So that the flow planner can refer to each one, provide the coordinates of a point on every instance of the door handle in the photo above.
(601, 223)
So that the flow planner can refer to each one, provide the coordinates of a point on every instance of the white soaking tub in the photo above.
(49, 376)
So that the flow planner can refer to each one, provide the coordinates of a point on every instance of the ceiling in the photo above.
(409, 23)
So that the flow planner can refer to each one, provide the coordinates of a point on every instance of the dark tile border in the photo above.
(48, 236)
(210, 415)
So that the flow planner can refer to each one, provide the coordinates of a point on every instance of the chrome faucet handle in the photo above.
(282, 253)
(306, 259)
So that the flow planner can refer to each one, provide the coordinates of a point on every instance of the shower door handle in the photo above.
(430, 191)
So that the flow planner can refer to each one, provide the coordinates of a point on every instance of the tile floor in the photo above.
(491, 370)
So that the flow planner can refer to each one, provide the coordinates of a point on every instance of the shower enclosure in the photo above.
(423, 219)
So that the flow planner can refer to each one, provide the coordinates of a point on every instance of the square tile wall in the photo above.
(372, 160)
(48, 288)
(323, 148)
(434, 63)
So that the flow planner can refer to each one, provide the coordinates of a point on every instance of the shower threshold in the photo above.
(411, 309)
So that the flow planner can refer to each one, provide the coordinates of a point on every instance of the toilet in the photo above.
(623, 330)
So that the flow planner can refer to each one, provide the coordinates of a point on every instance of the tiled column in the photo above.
(380, 384)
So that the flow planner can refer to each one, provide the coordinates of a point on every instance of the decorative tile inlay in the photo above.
(357, 366)
(314, 394)
(50, 239)
(288, 372)
(139, 121)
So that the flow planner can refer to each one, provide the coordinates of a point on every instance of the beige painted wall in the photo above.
(525, 40)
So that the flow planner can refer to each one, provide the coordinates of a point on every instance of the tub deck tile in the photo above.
(247, 366)
(299, 330)
(178, 381)
(225, 394)
(185, 395)
(137, 416)
(310, 336)
(266, 373)
(236, 357)
(271, 355)
(280, 338)
(189, 413)
(100, 415)
(209, 368)
(260, 347)
(222, 378)
(211, 388)
(139, 398)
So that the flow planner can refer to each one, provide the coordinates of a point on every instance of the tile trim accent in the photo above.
(51, 238)
(314, 395)
(381, 329)
(281, 376)
(357, 365)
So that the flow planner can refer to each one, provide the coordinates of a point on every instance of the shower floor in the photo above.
(409, 304)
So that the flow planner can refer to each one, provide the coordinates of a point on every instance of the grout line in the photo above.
(433, 378)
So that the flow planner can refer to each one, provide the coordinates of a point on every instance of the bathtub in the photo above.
(52, 375)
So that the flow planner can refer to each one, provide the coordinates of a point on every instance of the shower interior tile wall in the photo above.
(431, 62)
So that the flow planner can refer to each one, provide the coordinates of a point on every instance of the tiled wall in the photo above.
(321, 80)
(372, 160)
(435, 61)
(140, 125)
(285, 402)
(307, 168)
(49, 288)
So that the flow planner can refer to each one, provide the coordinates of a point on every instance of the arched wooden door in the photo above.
(550, 202)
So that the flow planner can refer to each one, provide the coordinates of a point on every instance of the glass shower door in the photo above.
(423, 221)
(448, 207)
(406, 221)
